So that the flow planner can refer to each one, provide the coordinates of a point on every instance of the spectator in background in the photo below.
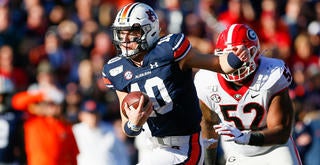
(17, 75)
(311, 138)
(208, 11)
(9, 35)
(48, 136)
(83, 12)
(11, 131)
(238, 11)
(307, 137)
(67, 31)
(34, 28)
(273, 32)
(56, 15)
(312, 98)
(304, 64)
(72, 102)
(163, 23)
(97, 140)
(50, 50)
(102, 51)
(86, 82)
(314, 32)
(195, 31)
(106, 14)
(84, 39)
(291, 16)
(174, 15)
(304, 56)
(129, 142)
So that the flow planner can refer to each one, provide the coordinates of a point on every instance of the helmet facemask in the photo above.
(246, 69)
(232, 37)
(141, 41)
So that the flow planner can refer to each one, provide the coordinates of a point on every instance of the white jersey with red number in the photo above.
(247, 107)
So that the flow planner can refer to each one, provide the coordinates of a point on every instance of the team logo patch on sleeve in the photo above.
(215, 98)
(128, 75)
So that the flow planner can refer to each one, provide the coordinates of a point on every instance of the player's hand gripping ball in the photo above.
(132, 99)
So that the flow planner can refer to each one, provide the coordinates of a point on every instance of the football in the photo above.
(132, 99)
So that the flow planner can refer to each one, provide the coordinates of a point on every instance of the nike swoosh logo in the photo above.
(254, 96)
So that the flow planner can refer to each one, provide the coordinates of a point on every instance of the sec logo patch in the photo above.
(128, 75)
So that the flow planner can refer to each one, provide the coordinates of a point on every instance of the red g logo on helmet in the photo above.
(235, 35)
(252, 35)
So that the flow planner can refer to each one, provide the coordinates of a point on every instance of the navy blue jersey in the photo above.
(175, 102)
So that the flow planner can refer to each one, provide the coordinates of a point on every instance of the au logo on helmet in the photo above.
(151, 15)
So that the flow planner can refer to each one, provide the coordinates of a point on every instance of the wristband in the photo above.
(234, 61)
(256, 139)
(131, 129)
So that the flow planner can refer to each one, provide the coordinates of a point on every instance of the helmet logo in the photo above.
(151, 15)
(251, 35)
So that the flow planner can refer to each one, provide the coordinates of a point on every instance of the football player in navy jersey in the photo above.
(161, 68)
(250, 108)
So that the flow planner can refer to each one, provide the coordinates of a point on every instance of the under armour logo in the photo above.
(155, 65)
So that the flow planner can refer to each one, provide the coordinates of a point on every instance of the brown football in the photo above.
(132, 99)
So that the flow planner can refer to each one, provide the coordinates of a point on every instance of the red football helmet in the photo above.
(235, 35)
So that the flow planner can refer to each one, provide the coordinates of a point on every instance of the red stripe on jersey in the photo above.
(106, 81)
(296, 151)
(194, 150)
(182, 48)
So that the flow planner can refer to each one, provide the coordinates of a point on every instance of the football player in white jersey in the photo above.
(162, 68)
(250, 109)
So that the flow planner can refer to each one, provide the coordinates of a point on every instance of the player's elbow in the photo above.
(283, 140)
(284, 136)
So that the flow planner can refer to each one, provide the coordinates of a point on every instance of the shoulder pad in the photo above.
(179, 44)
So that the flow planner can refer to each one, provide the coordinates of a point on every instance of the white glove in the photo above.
(239, 137)
(208, 142)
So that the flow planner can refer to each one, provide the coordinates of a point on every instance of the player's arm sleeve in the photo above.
(107, 82)
(180, 47)
(284, 80)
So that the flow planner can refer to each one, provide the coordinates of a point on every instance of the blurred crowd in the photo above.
(52, 53)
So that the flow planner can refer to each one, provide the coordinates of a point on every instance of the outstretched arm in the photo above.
(226, 63)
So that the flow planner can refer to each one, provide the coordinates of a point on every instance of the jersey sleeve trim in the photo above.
(182, 47)
(107, 82)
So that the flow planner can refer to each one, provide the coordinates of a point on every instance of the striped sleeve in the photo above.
(181, 47)
(106, 81)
